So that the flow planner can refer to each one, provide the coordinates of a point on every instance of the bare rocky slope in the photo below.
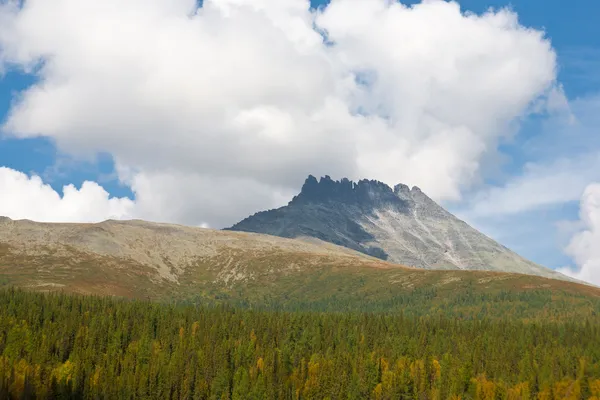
(160, 252)
(399, 225)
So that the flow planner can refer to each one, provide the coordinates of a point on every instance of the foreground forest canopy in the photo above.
(64, 346)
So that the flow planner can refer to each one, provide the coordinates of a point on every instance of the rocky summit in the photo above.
(399, 225)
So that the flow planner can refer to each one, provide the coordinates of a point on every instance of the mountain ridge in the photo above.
(174, 263)
(401, 225)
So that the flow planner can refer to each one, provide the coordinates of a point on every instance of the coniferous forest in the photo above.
(57, 346)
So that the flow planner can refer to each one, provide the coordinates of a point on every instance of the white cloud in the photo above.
(25, 197)
(539, 186)
(246, 95)
(564, 158)
(532, 211)
(201, 200)
(585, 245)
(162, 197)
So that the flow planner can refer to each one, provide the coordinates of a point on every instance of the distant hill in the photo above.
(143, 260)
(400, 225)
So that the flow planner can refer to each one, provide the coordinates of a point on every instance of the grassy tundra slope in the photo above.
(137, 259)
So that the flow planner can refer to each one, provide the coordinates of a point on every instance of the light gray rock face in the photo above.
(400, 225)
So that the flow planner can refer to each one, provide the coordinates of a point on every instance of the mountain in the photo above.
(125, 257)
(399, 225)
(144, 260)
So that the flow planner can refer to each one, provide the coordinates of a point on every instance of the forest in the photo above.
(59, 346)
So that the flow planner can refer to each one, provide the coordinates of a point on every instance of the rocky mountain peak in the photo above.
(400, 224)
(367, 194)
(402, 191)
(363, 193)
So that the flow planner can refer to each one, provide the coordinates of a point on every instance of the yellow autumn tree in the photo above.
(567, 389)
(436, 371)
(545, 394)
(388, 382)
(484, 388)
(312, 384)
(378, 392)
(64, 372)
(419, 376)
(260, 364)
(20, 372)
(594, 389)
(518, 392)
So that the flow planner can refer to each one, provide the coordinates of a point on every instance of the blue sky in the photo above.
(40, 155)
(539, 232)
(575, 35)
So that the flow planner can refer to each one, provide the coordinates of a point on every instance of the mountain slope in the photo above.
(136, 253)
(145, 260)
(402, 226)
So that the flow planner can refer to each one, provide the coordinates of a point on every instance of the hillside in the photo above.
(137, 259)
(116, 257)
(400, 225)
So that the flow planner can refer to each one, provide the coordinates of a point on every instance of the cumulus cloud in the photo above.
(172, 196)
(540, 185)
(584, 246)
(242, 99)
(27, 197)
(564, 157)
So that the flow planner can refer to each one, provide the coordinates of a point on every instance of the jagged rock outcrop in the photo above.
(401, 225)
